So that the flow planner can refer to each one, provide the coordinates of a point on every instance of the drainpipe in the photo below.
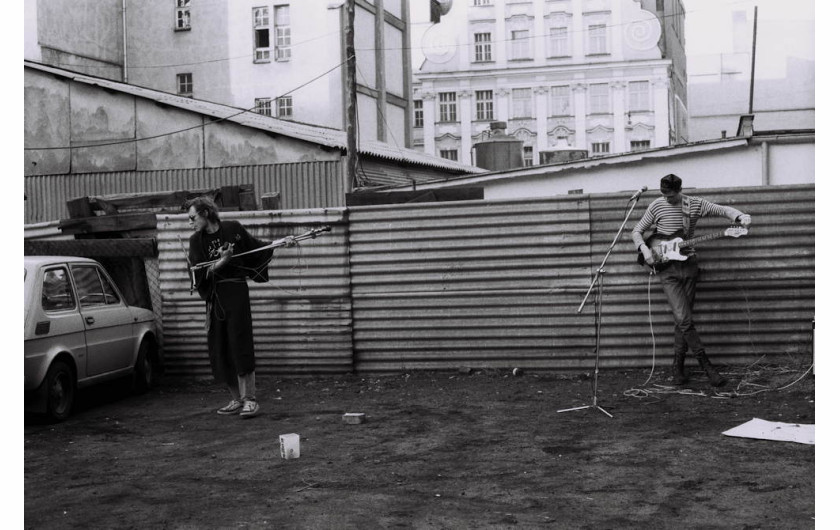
(125, 46)
(765, 164)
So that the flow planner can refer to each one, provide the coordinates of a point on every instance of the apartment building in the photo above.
(286, 59)
(608, 76)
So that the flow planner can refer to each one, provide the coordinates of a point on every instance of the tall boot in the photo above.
(714, 377)
(678, 376)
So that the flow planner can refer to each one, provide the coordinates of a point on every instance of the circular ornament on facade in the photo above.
(644, 32)
(439, 43)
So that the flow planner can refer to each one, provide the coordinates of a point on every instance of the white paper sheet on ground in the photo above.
(774, 430)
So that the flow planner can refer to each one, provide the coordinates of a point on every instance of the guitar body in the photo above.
(667, 250)
(664, 252)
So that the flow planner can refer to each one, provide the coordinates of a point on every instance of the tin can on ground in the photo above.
(289, 446)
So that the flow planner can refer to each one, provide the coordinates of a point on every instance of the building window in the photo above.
(558, 42)
(262, 106)
(282, 34)
(561, 101)
(522, 103)
(597, 39)
(638, 145)
(448, 107)
(482, 2)
(599, 98)
(185, 84)
(418, 112)
(449, 154)
(639, 95)
(182, 15)
(600, 148)
(284, 107)
(484, 105)
(528, 154)
(262, 46)
(520, 46)
(483, 48)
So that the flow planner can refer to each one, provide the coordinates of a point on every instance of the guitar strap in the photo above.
(686, 210)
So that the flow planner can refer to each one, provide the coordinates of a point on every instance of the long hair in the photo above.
(205, 207)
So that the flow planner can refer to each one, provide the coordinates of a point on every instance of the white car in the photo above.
(79, 331)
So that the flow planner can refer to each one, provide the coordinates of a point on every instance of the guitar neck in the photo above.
(700, 239)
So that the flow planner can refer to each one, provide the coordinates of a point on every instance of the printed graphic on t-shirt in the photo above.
(214, 247)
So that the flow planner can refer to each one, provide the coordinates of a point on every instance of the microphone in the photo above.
(638, 193)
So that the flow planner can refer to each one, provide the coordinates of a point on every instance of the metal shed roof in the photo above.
(327, 137)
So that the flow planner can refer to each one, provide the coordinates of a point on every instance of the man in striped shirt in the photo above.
(676, 215)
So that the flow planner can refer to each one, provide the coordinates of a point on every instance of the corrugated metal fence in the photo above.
(498, 284)
(300, 185)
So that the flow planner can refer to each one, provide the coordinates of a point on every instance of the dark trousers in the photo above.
(679, 281)
(230, 337)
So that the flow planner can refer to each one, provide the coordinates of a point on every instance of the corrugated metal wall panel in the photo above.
(472, 283)
(302, 317)
(301, 185)
(498, 283)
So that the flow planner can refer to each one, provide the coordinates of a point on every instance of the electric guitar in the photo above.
(666, 250)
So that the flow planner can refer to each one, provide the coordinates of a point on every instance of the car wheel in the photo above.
(61, 390)
(144, 371)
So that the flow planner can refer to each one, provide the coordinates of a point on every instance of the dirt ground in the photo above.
(484, 449)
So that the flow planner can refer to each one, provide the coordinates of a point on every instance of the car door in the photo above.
(108, 321)
(54, 324)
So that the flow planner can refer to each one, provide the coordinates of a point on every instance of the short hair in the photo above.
(204, 206)
(670, 182)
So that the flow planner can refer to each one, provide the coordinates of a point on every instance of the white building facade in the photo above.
(607, 76)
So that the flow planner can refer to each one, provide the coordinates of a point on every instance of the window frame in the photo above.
(261, 105)
(262, 23)
(285, 107)
(558, 48)
(522, 107)
(638, 100)
(484, 105)
(182, 22)
(520, 48)
(597, 42)
(449, 154)
(182, 81)
(553, 98)
(483, 49)
(448, 108)
(638, 147)
(69, 290)
(600, 148)
(607, 103)
(282, 33)
(419, 117)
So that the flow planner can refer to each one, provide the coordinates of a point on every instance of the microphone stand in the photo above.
(599, 294)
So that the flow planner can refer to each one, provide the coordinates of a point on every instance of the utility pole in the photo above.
(752, 70)
(350, 89)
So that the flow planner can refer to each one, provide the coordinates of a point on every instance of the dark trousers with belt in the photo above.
(679, 281)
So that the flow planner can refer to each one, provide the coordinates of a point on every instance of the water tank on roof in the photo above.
(562, 152)
(499, 151)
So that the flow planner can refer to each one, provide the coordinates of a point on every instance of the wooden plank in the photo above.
(111, 204)
(92, 248)
(124, 222)
(79, 207)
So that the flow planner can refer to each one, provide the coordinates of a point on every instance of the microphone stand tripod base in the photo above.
(587, 407)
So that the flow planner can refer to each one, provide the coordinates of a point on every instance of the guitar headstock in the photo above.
(736, 231)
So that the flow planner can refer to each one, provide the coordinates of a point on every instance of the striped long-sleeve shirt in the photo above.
(667, 218)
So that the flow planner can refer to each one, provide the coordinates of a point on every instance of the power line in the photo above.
(171, 133)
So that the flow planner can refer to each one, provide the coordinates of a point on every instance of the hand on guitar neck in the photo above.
(659, 251)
